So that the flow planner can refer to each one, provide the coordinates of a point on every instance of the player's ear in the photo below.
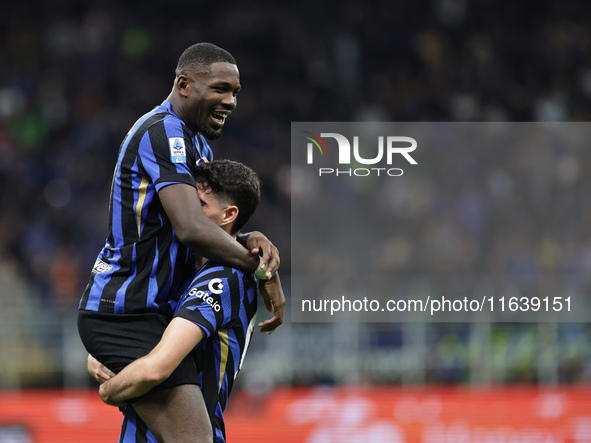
(183, 84)
(230, 214)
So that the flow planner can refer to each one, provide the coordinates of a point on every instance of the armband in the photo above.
(260, 273)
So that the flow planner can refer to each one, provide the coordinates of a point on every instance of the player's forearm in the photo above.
(274, 298)
(134, 381)
(209, 241)
(143, 374)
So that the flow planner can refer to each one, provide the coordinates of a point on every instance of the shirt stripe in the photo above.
(224, 350)
(140, 203)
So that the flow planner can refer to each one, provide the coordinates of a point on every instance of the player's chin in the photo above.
(210, 133)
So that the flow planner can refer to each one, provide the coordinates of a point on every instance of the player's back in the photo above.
(223, 301)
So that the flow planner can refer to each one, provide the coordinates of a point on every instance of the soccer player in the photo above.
(214, 319)
(156, 223)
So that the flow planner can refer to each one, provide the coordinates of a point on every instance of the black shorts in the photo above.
(118, 339)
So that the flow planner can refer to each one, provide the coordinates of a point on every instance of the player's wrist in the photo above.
(260, 272)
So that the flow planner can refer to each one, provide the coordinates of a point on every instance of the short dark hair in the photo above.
(200, 56)
(234, 181)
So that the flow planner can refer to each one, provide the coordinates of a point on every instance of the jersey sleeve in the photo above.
(209, 302)
(167, 154)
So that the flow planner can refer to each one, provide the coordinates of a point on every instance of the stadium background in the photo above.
(74, 77)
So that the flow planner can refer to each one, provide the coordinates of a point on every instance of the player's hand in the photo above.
(272, 294)
(258, 244)
(99, 371)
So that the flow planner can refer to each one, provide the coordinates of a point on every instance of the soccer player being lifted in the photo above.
(157, 225)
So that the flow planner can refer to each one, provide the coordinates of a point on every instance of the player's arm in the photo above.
(196, 231)
(180, 200)
(136, 379)
(272, 294)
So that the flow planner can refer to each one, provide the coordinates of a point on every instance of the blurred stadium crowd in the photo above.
(75, 76)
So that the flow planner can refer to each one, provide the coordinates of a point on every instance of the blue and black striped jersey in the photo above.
(142, 264)
(223, 302)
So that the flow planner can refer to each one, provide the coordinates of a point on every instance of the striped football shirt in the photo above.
(142, 263)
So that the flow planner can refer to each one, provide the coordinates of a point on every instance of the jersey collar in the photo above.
(168, 106)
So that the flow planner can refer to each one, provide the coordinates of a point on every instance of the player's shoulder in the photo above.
(148, 120)
(212, 271)
(161, 117)
(172, 123)
(140, 128)
(215, 270)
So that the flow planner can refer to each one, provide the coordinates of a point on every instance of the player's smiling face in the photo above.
(211, 98)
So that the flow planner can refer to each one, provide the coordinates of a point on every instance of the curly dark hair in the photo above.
(200, 56)
(235, 182)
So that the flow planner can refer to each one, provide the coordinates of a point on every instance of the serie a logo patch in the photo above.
(178, 153)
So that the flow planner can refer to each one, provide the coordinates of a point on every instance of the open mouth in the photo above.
(220, 117)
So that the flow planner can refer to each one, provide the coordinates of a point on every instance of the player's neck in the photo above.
(175, 104)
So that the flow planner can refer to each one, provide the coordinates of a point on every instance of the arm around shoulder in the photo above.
(196, 231)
